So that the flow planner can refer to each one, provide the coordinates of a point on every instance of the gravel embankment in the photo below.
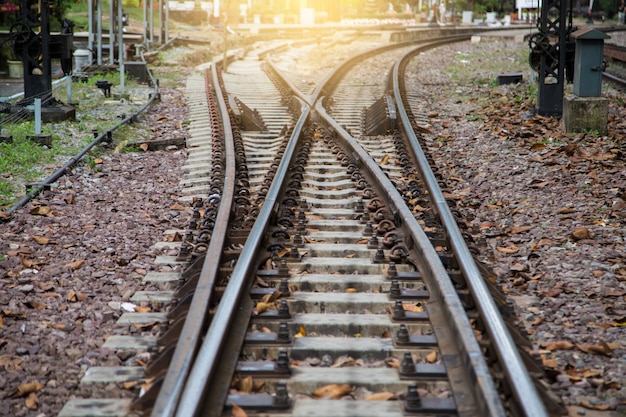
(550, 209)
(68, 261)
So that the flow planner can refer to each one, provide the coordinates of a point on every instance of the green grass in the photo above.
(23, 162)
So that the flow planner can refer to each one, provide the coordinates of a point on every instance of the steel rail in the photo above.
(189, 340)
(519, 379)
(209, 353)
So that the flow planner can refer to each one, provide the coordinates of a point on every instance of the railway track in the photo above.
(325, 277)
(324, 304)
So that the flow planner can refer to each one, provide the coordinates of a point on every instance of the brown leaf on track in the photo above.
(49, 295)
(75, 264)
(602, 348)
(599, 407)
(519, 229)
(4, 215)
(385, 159)
(431, 357)
(413, 307)
(11, 362)
(386, 335)
(550, 363)
(245, 385)
(177, 207)
(128, 385)
(393, 363)
(237, 411)
(380, 396)
(1, 321)
(270, 298)
(343, 361)
(545, 241)
(565, 210)
(28, 263)
(350, 256)
(301, 332)
(142, 309)
(260, 307)
(41, 211)
(261, 282)
(40, 239)
(560, 345)
(554, 291)
(145, 326)
(144, 146)
(20, 251)
(351, 290)
(31, 402)
(507, 249)
(26, 388)
(69, 198)
(582, 233)
(540, 184)
(334, 391)
(35, 305)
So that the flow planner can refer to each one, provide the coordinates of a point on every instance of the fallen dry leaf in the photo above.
(380, 396)
(602, 348)
(560, 345)
(260, 307)
(334, 391)
(245, 385)
(431, 357)
(301, 332)
(31, 402)
(41, 240)
(75, 264)
(41, 211)
(599, 407)
(582, 233)
(507, 249)
(26, 389)
(237, 411)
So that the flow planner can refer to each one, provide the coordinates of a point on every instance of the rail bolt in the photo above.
(403, 334)
(412, 399)
(282, 396)
(398, 311)
(407, 367)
